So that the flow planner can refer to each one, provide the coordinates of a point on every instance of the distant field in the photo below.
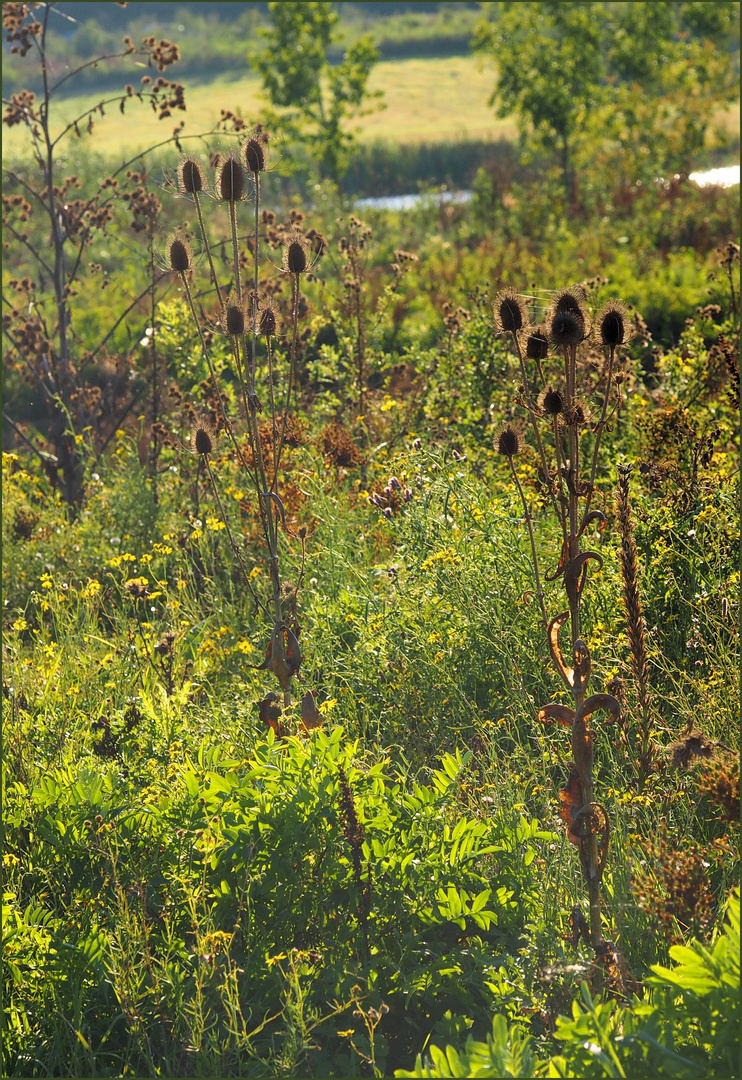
(428, 100)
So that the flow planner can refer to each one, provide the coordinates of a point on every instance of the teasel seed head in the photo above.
(203, 438)
(179, 255)
(567, 328)
(190, 176)
(235, 320)
(266, 321)
(256, 151)
(509, 441)
(579, 414)
(296, 255)
(510, 311)
(537, 344)
(550, 401)
(230, 179)
(615, 328)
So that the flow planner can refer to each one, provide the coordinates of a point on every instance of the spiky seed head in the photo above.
(567, 328)
(295, 258)
(267, 322)
(551, 401)
(256, 151)
(508, 442)
(235, 319)
(510, 311)
(572, 299)
(179, 254)
(191, 177)
(230, 179)
(579, 414)
(203, 439)
(613, 324)
(537, 345)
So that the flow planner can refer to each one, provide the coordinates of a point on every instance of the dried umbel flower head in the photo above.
(551, 401)
(179, 255)
(296, 254)
(203, 438)
(510, 311)
(230, 179)
(615, 329)
(255, 151)
(509, 441)
(191, 178)
(537, 343)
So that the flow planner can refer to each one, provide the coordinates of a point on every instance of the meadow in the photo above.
(370, 609)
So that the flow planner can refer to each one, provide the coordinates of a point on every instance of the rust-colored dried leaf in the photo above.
(570, 801)
(599, 701)
(562, 563)
(578, 927)
(293, 652)
(574, 575)
(582, 665)
(554, 711)
(594, 515)
(552, 634)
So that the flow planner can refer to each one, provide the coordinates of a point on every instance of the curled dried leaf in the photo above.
(554, 711)
(269, 711)
(582, 666)
(594, 515)
(574, 576)
(599, 701)
(562, 563)
(552, 634)
(570, 801)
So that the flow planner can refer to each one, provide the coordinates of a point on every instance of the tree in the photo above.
(550, 67)
(318, 98)
(645, 78)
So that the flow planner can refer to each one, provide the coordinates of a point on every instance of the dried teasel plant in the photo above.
(245, 320)
(567, 416)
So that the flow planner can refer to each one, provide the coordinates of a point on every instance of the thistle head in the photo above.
(510, 311)
(266, 320)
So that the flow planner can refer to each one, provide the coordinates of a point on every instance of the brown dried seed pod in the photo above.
(567, 328)
(510, 311)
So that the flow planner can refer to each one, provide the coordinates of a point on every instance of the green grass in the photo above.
(428, 100)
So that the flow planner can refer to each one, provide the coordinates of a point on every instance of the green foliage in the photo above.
(590, 81)
(688, 1028)
(321, 97)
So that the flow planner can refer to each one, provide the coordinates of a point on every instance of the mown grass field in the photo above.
(427, 100)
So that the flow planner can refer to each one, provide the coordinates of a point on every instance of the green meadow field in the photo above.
(426, 100)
